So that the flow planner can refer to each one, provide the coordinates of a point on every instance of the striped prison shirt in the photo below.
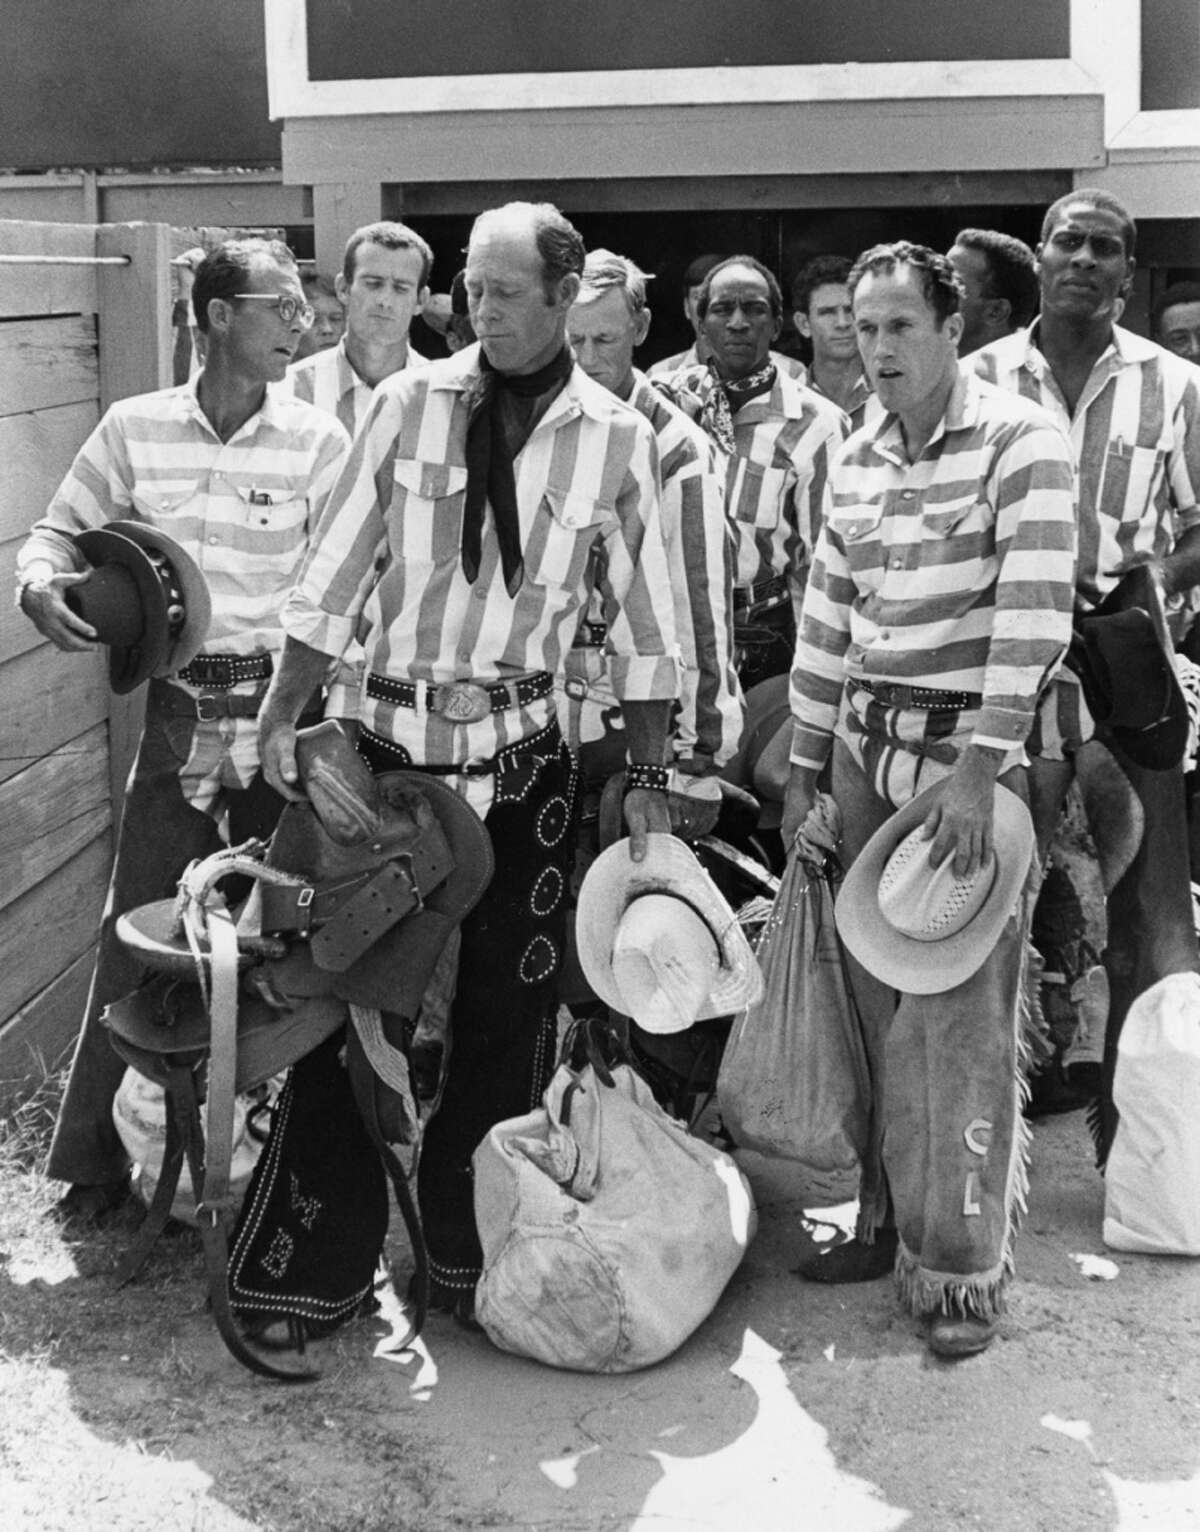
(388, 552)
(327, 380)
(955, 572)
(775, 481)
(699, 548)
(1135, 435)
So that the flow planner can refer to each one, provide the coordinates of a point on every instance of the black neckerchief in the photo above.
(503, 411)
(726, 396)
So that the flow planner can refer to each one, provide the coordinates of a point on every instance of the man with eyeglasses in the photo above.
(238, 475)
(383, 283)
(778, 436)
(1132, 412)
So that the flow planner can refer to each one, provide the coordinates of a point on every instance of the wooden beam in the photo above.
(52, 925)
(36, 450)
(1030, 188)
(136, 338)
(51, 698)
(340, 207)
(47, 362)
(26, 291)
(39, 1038)
(821, 137)
(51, 811)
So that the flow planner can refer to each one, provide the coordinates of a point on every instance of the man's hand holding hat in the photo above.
(959, 823)
(42, 601)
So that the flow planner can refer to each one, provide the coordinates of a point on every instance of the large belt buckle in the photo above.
(208, 707)
(461, 701)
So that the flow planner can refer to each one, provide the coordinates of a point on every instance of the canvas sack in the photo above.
(608, 1231)
(793, 1082)
(1151, 1180)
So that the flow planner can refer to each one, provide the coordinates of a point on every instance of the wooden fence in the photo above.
(76, 333)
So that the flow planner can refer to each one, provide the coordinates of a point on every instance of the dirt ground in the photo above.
(794, 1406)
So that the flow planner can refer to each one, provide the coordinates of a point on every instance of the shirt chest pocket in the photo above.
(425, 520)
(757, 494)
(283, 508)
(564, 531)
(1132, 475)
(955, 518)
(160, 504)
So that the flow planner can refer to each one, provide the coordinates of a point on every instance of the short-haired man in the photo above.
(778, 436)
(698, 353)
(608, 320)
(822, 314)
(485, 496)
(1132, 412)
(1000, 282)
(1175, 321)
(329, 317)
(238, 474)
(939, 601)
(383, 283)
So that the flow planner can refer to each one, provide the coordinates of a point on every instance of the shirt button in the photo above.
(885, 635)
(908, 494)
(480, 594)
(213, 538)
(897, 563)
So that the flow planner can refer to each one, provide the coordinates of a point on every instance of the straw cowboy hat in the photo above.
(146, 598)
(919, 928)
(658, 942)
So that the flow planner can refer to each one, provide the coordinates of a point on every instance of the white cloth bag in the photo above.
(1152, 1179)
(609, 1232)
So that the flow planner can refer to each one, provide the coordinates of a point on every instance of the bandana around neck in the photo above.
(724, 397)
(503, 411)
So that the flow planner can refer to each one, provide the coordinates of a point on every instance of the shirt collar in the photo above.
(961, 414)
(272, 410)
(579, 394)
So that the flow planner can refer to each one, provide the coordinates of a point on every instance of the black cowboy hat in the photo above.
(1123, 656)
(146, 598)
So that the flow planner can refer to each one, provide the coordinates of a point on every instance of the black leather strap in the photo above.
(922, 698)
(220, 672)
(501, 694)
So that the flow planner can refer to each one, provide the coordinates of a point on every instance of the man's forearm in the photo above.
(647, 731)
(301, 670)
(1181, 567)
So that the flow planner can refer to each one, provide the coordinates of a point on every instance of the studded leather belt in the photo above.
(922, 698)
(462, 701)
(220, 672)
(591, 635)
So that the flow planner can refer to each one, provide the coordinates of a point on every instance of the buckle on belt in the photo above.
(208, 707)
(575, 688)
(477, 766)
(461, 701)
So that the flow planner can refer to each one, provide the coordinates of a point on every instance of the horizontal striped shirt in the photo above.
(244, 509)
(328, 380)
(699, 550)
(386, 560)
(954, 572)
(775, 481)
(1135, 435)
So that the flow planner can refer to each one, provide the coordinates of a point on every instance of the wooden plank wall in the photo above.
(57, 770)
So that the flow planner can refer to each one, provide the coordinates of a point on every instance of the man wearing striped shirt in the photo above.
(238, 475)
(483, 497)
(778, 436)
(938, 605)
(1132, 412)
(823, 315)
(608, 321)
(383, 282)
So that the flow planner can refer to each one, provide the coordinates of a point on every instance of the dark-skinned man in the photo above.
(939, 601)
(778, 436)
(1132, 413)
(482, 495)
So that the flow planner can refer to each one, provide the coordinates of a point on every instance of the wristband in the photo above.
(640, 774)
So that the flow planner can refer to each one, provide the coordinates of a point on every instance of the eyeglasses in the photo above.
(290, 309)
